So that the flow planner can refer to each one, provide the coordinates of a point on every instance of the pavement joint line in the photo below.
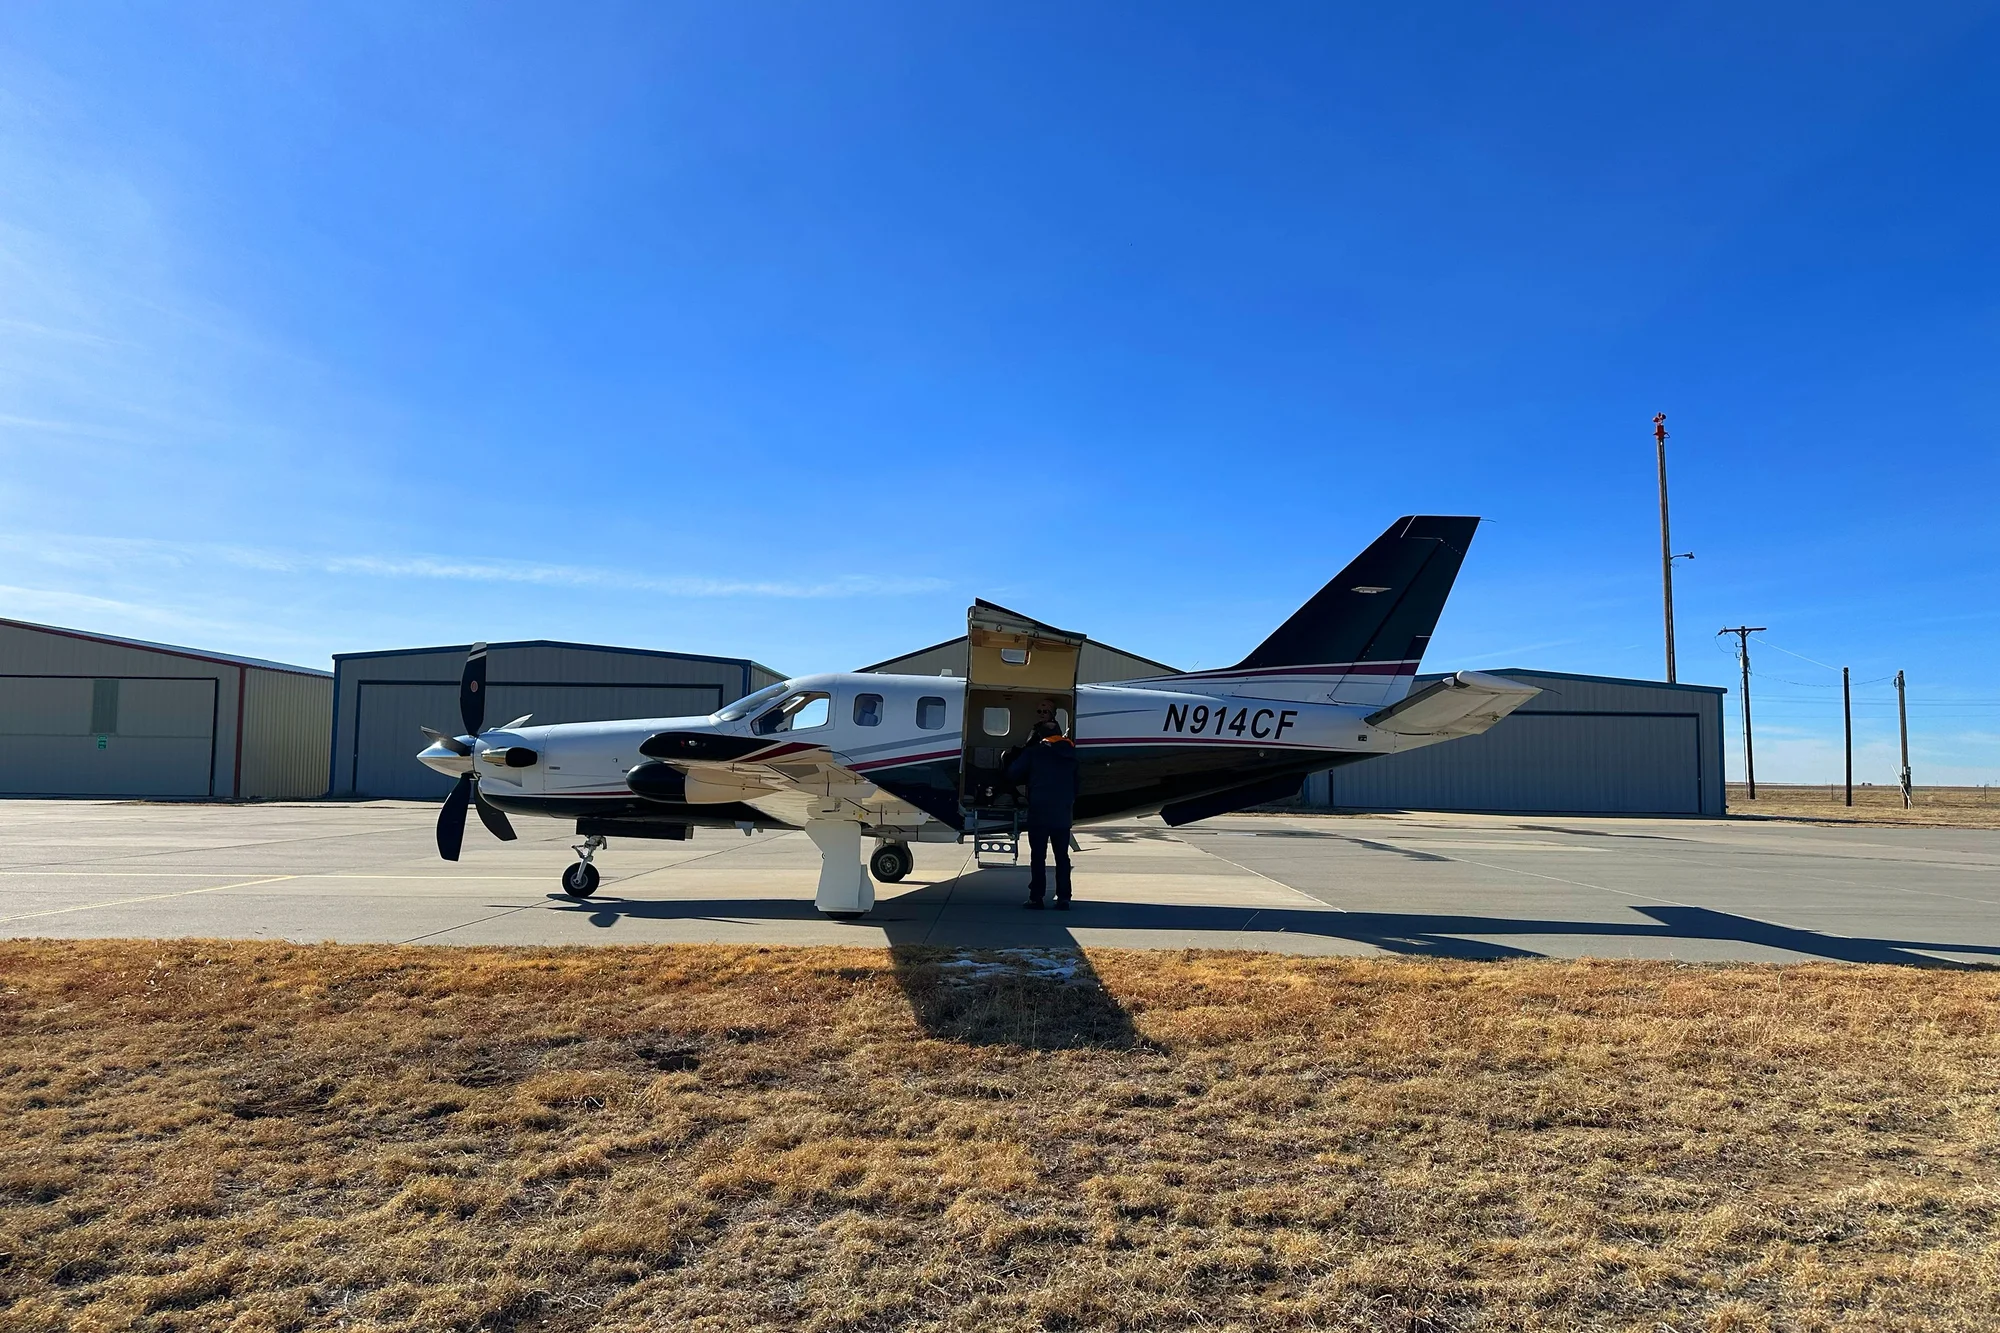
(430, 935)
(238, 846)
(550, 907)
(213, 874)
(1668, 902)
(951, 887)
(1821, 876)
(1289, 888)
(146, 898)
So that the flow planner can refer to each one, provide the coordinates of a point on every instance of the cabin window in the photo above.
(1014, 656)
(798, 713)
(997, 721)
(930, 712)
(867, 710)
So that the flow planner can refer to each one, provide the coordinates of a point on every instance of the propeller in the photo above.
(471, 712)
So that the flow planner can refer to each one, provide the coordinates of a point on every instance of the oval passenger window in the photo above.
(1014, 656)
(997, 721)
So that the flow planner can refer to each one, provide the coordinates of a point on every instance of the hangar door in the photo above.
(388, 713)
(1547, 762)
(117, 736)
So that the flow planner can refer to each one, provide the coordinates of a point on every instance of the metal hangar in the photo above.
(1099, 662)
(85, 714)
(381, 698)
(1584, 745)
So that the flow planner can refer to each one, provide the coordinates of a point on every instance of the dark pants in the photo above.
(1038, 863)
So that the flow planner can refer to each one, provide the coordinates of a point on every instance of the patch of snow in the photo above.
(1063, 966)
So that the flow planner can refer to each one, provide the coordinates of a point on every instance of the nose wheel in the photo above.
(580, 880)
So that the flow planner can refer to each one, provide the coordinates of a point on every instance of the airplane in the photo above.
(901, 759)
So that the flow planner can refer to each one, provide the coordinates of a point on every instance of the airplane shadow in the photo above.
(912, 926)
(1043, 999)
(1021, 982)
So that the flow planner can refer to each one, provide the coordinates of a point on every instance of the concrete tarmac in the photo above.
(1467, 886)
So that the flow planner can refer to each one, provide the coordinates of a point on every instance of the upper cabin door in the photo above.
(1014, 666)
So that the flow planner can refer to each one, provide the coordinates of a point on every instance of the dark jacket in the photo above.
(1049, 769)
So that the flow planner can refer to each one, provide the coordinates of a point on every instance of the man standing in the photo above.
(1048, 766)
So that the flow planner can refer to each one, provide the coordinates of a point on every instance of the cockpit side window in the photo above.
(801, 712)
(749, 703)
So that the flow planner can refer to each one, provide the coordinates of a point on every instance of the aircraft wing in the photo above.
(782, 777)
(1464, 704)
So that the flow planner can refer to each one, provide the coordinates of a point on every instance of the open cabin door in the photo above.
(1012, 665)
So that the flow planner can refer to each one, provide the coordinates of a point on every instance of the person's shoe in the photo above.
(1033, 904)
(1062, 904)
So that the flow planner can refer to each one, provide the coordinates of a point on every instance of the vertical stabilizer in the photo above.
(1362, 636)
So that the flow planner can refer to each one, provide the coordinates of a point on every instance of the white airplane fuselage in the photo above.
(889, 750)
(854, 755)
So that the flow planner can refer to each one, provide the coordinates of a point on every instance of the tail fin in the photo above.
(1361, 637)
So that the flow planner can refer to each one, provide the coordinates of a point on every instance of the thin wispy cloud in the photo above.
(109, 554)
(57, 605)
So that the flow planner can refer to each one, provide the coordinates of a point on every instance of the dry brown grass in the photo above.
(1932, 807)
(251, 1136)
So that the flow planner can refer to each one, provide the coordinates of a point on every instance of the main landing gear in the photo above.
(580, 880)
(891, 862)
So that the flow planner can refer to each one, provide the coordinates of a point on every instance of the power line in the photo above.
(1801, 656)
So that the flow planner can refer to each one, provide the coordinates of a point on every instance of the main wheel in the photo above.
(892, 861)
(580, 880)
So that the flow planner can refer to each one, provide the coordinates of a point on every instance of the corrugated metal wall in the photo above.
(287, 729)
(87, 715)
(1098, 662)
(382, 698)
(1586, 744)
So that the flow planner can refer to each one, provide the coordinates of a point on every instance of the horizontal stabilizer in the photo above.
(1461, 705)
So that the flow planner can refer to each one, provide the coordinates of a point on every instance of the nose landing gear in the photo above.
(580, 880)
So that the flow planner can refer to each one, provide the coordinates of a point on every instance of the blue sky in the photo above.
(785, 330)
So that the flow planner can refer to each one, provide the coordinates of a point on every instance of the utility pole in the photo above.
(1903, 726)
(1666, 542)
(1847, 731)
(1743, 633)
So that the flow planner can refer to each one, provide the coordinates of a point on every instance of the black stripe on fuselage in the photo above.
(1117, 779)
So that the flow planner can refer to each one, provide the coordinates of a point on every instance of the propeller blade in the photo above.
(451, 818)
(452, 743)
(493, 817)
(472, 691)
(517, 722)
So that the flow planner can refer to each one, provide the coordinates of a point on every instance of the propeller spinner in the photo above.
(472, 713)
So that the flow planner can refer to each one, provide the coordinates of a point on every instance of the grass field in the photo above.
(1948, 807)
(250, 1136)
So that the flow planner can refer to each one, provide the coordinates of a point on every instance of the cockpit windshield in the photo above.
(748, 704)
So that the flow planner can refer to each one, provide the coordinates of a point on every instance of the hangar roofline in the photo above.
(960, 638)
(564, 643)
(172, 650)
